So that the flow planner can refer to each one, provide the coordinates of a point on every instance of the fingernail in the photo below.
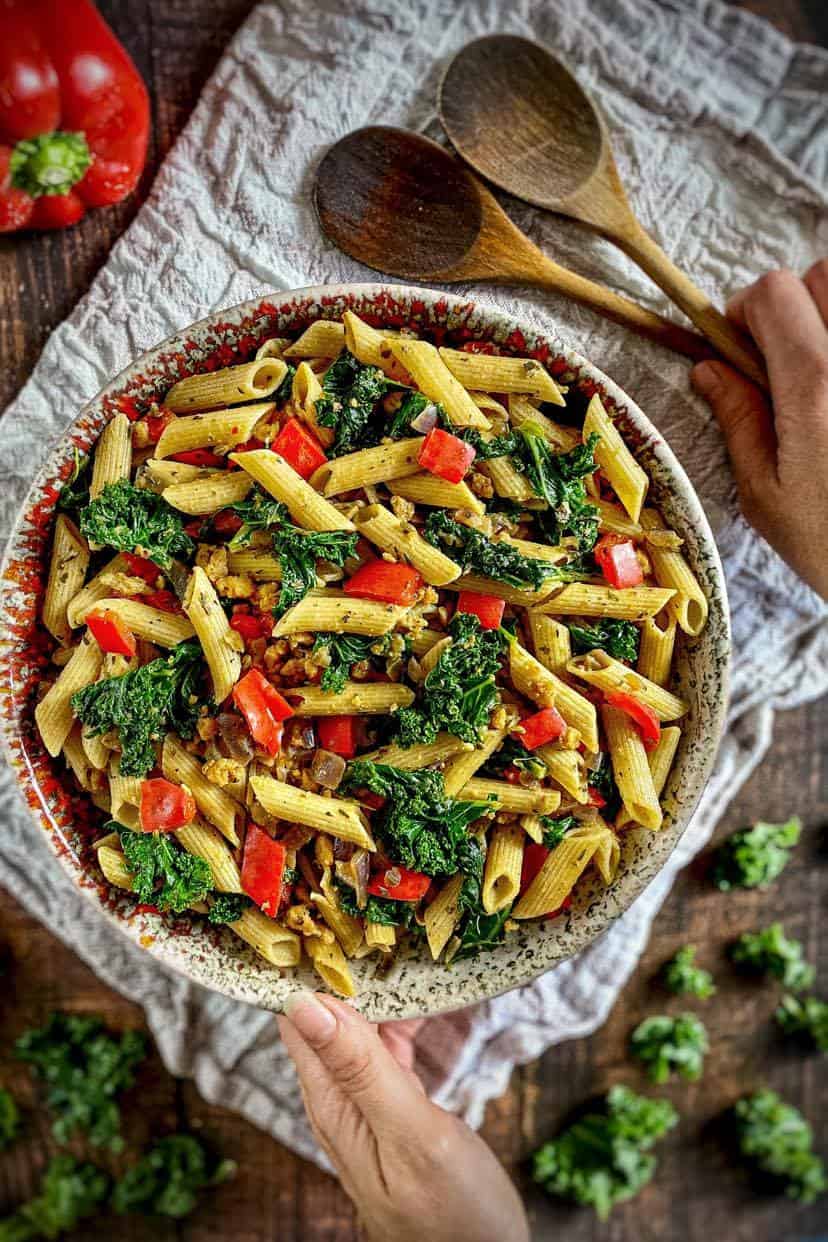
(705, 377)
(314, 1022)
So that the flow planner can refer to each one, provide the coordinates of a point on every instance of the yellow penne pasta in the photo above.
(347, 929)
(502, 796)
(372, 347)
(273, 348)
(545, 688)
(77, 758)
(630, 768)
(323, 339)
(391, 534)
(113, 455)
(568, 768)
(393, 460)
(524, 596)
(96, 750)
(220, 428)
(628, 480)
(550, 640)
(251, 381)
(427, 489)
(381, 936)
(67, 570)
(123, 790)
(507, 481)
(306, 506)
(205, 842)
(660, 759)
(494, 373)
(342, 614)
(275, 943)
(166, 629)
(424, 755)
(561, 438)
(356, 698)
(462, 766)
(219, 642)
(655, 652)
(330, 964)
(97, 588)
(609, 675)
(501, 874)
(53, 714)
(220, 490)
(161, 474)
(435, 380)
(263, 566)
(559, 873)
(339, 817)
(615, 521)
(442, 915)
(688, 605)
(628, 604)
(115, 867)
(213, 803)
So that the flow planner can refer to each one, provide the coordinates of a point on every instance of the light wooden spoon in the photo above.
(402, 204)
(521, 119)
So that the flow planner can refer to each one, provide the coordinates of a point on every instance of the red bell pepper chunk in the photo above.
(263, 865)
(155, 424)
(446, 455)
(392, 582)
(74, 114)
(263, 708)
(226, 522)
(487, 608)
(618, 562)
(643, 716)
(111, 632)
(595, 798)
(199, 457)
(165, 600)
(165, 806)
(251, 625)
(338, 734)
(544, 726)
(140, 567)
(300, 448)
(534, 856)
(565, 905)
(399, 884)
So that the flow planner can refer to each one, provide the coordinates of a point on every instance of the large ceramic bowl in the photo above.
(211, 956)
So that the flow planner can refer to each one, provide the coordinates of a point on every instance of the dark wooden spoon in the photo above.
(521, 119)
(403, 205)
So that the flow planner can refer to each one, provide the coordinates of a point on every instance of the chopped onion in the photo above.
(179, 576)
(355, 874)
(327, 768)
(235, 735)
(426, 420)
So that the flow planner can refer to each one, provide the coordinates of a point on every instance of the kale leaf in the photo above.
(602, 780)
(618, 638)
(134, 519)
(384, 910)
(481, 932)
(755, 856)
(156, 858)
(601, 1159)
(283, 392)
(166, 694)
(84, 1067)
(74, 495)
(559, 479)
(459, 693)
(507, 445)
(492, 559)
(228, 907)
(9, 1119)
(777, 1140)
(769, 951)
(411, 405)
(350, 392)
(419, 826)
(806, 1017)
(512, 754)
(554, 830)
(664, 1045)
(69, 1192)
(167, 1179)
(684, 979)
(344, 651)
(258, 511)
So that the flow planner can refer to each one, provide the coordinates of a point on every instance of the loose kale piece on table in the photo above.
(84, 1067)
(665, 1045)
(134, 519)
(683, 978)
(755, 856)
(777, 1141)
(166, 694)
(9, 1119)
(805, 1017)
(69, 1193)
(167, 1180)
(164, 873)
(604, 1158)
(769, 951)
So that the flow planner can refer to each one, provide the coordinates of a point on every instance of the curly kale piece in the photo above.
(410, 407)
(495, 558)
(459, 693)
(755, 856)
(167, 1179)
(602, 780)
(554, 830)
(69, 1192)
(74, 495)
(156, 859)
(558, 478)
(9, 1119)
(684, 979)
(511, 754)
(769, 951)
(84, 1067)
(805, 1017)
(344, 651)
(228, 907)
(603, 1157)
(165, 695)
(383, 910)
(664, 1045)
(418, 825)
(297, 550)
(134, 519)
(777, 1140)
(350, 392)
(481, 932)
(618, 638)
(285, 389)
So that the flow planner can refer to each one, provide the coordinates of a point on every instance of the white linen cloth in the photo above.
(721, 131)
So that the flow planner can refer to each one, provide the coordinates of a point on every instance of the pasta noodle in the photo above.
(343, 614)
(427, 489)
(493, 373)
(251, 381)
(213, 803)
(610, 675)
(432, 377)
(218, 491)
(628, 604)
(368, 466)
(337, 816)
(688, 606)
(501, 875)
(203, 607)
(306, 506)
(53, 714)
(113, 456)
(67, 571)
(628, 480)
(631, 769)
(392, 534)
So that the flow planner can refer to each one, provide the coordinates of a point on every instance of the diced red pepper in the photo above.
(595, 798)
(300, 448)
(338, 734)
(643, 716)
(196, 528)
(534, 856)
(165, 600)
(399, 884)
(618, 562)
(542, 727)
(199, 457)
(565, 905)
(165, 806)
(374, 801)
(226, 522)
(155, 424)
(487, 608)
(392, 582)
(263, 865)
(111, 632)
(140, 567)
(249, 446)
(446, 455)
(263, 708)
(251, 625)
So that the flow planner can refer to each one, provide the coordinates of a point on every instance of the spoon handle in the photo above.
(728, 340)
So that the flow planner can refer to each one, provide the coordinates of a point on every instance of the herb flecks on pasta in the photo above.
(439, 626)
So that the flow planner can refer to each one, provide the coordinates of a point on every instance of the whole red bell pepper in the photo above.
(74, 114)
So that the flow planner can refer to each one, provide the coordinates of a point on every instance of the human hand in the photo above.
(779, 449)
(412, 1169)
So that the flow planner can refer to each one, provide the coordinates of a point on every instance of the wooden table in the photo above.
(698, 1194)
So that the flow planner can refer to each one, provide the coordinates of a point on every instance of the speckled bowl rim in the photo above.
(414, 986)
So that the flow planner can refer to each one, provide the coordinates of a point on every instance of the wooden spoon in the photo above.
(402, 204)
(519, 117)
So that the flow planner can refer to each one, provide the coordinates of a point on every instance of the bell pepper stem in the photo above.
(49, 164)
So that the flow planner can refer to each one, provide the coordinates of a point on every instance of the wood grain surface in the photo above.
(698, 1195)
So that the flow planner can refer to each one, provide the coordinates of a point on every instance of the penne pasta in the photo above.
(425, 755)
(655, 652)
(275, 943)
(219, 429)
(628, 480)
(435, 380)
(306, 506)
(97, 588)
(427, 489)
(53, 715)
(113, 455)
(272, 348)
(381, 936)
(506, 797)
(561, 438)
(660, 760)
(497, 373)
(323, 339)
(551, 641)
(250, 381)
(613, 520)
(560, 872)
(347, 929)
(205, 842)
(391, 534)
(627, 604)
(372, 347)
(356, 698)
(218, 641)
(523, 596)
(501, 874)
(161, 474)
(262, 566)
(442, 915)
(181, 767)
(207, 495)
(115, 867)
(165, 629)
(688, 606)
(461, 767)
(630, 768)
(392, 460)
(610, 675)
(507, 480)
(339, 817)
(67, 571)
(568, 768)
(330, 964)
(342, 614)
(545, 688)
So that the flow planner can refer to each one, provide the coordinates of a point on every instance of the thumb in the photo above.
(744, 416)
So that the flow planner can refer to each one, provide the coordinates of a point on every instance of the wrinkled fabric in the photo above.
(720, 128)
